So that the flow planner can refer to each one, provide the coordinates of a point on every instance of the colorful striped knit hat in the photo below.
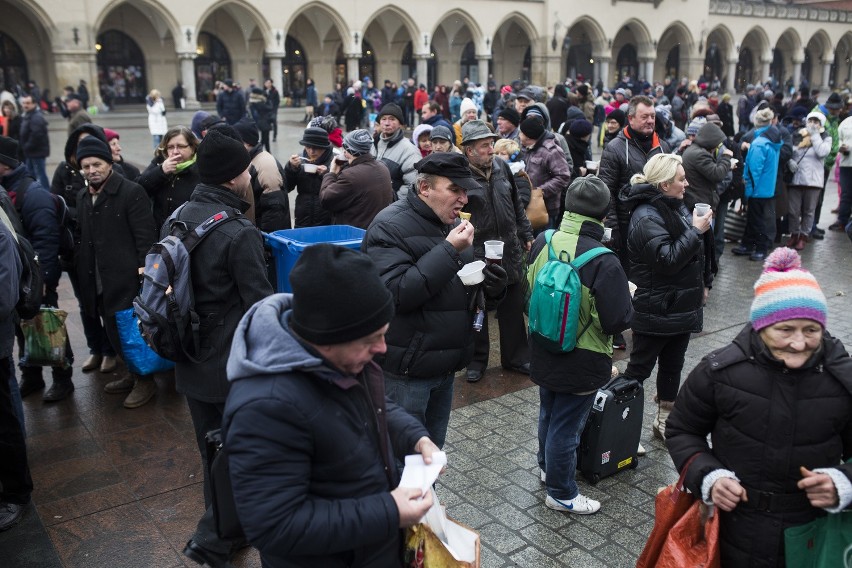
(786, 291)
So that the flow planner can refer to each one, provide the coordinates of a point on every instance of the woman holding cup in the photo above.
(306, 171)
(672, 265)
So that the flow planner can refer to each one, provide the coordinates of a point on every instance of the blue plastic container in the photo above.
(287, 246)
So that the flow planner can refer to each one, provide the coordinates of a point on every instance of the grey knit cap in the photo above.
(358, 142)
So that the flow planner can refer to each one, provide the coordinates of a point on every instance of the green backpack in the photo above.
(557, 293)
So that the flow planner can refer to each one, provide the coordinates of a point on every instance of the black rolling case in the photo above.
(611, 436)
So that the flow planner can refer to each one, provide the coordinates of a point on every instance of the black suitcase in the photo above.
(611, 436)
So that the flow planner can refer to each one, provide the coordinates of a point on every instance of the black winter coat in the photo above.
(35, 143)
(704, 170)
(231, 105)
(113, 237)
(668, 268)
(309, 209)
(168, 191)
(765, 421)
(431, 334)
(498, 214)
(228, 276)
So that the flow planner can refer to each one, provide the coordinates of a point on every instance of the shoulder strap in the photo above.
(548, 235)
(192, 239)
(589, 255)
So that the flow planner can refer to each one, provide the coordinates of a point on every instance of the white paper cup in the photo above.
(493, 250)
(591, 165)
(607, 234)
(734, 163)
(309, 168)
(702, 209)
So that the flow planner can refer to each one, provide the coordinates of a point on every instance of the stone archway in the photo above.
(391, 32)
(321, 32)
(451, 35)
(511, 47)
(27, 47)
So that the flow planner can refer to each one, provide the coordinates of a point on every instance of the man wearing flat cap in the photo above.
(228, 277)
(498, 214)
(356, 191)
(419, 245)
(312, 439)
(115, 228)
(393, 149)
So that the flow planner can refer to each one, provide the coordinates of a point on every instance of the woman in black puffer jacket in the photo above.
(317, 157)
(672, 265)
(172, 175)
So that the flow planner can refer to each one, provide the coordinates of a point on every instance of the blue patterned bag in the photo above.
(138, 357)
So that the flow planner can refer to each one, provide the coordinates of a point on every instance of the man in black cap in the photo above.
(508, 121)
(311, 437)
(35, 142)
(36, 212)
(355, 192)
(392, 148)
(116, 229)
(418, 246)
(77, 113)
(498, 214)
(228, 276)
(231, 103)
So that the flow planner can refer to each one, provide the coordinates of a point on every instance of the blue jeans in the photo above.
(428, 400)
(561, 419)
(37, 169)
(157, 139)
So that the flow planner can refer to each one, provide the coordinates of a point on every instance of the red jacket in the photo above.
(421, 97)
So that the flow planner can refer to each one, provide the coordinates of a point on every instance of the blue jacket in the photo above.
(310, 449)
(437, 120)
(231, 105)
(35, 142)
(761, 163)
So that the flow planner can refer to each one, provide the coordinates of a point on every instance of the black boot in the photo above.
(31, 381)
(62, 386)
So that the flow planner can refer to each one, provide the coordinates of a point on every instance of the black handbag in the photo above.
(228, 524)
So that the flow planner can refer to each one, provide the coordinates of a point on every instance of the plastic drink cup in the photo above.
(494, 252)
(607, 234)
(702, 209)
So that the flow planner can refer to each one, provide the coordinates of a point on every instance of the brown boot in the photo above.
(664, 408)
(791, 242)
(800, 244)
(143, 391)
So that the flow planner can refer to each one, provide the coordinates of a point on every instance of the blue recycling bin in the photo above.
(287, 246)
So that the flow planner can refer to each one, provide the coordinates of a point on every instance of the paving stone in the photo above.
(531, 557)
(583, 536)
(545, 538)
(502, 539)
(508, 515)
(517, 496)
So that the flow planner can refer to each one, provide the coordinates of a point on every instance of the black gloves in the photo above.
(495, 281)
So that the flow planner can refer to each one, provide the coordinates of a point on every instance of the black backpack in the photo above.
(31, 286)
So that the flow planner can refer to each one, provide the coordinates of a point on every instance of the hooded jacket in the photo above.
(309, 210)
(760, 170)
(810, 159)
(548, 126)
(357, 193)
(548, 169)
(399, 156)
(668, 269)
(311, 450)
(272, 202)
(765, 421)
(705, 167)
(10, 276)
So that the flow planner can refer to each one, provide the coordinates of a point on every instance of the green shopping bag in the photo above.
(44, 338)
(823, 543)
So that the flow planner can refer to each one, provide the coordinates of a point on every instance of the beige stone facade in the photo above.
(136, 45)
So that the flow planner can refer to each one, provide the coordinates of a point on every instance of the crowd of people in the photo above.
(324, 391)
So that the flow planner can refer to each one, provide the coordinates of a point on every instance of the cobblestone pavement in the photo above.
(118, 487)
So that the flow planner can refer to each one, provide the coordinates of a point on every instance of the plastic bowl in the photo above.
(310, 168)
(471, 273)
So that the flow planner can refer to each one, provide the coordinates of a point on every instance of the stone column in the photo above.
(352, 66)
(647, 70)
(187, 77)
(764, 69)
(797, 73)
(826, 74)
(730, 76)
(482, 63)
(275, 72)
(605, 78)
(422, 61)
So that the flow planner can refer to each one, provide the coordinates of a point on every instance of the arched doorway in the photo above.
(294, 67)
(579, 60)
(366, 64)
(121, 68)
(713, 63)
(673, 63)
(409, 66)
(212, 64)
(745, 69)
(13, 64)
(627, 62)
(469, 66)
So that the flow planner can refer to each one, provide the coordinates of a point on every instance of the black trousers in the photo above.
(207, 416)
(514, 343)
(669, 351)
(15, 481)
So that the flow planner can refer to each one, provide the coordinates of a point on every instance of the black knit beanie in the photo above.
(91, 147)
(247, 129)
(221, 156)
(532, 128)
(588, 196)
(338, 295)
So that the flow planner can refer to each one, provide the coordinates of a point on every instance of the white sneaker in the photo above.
(543, 476)
(641, 451)
(580, 504)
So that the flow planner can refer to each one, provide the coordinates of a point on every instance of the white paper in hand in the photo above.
(418, 475)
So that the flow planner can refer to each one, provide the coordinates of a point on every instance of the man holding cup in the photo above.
(498, 215)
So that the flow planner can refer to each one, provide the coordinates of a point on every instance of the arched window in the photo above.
(713, 63)
(807, 64)
(776, 68)
(409, 66)
(366, 65)
(745, 69)
(469, 66)
(212, 64)
(294, 68)
(673, 62)
(121, 68)
(627, 62)
(13, 64)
